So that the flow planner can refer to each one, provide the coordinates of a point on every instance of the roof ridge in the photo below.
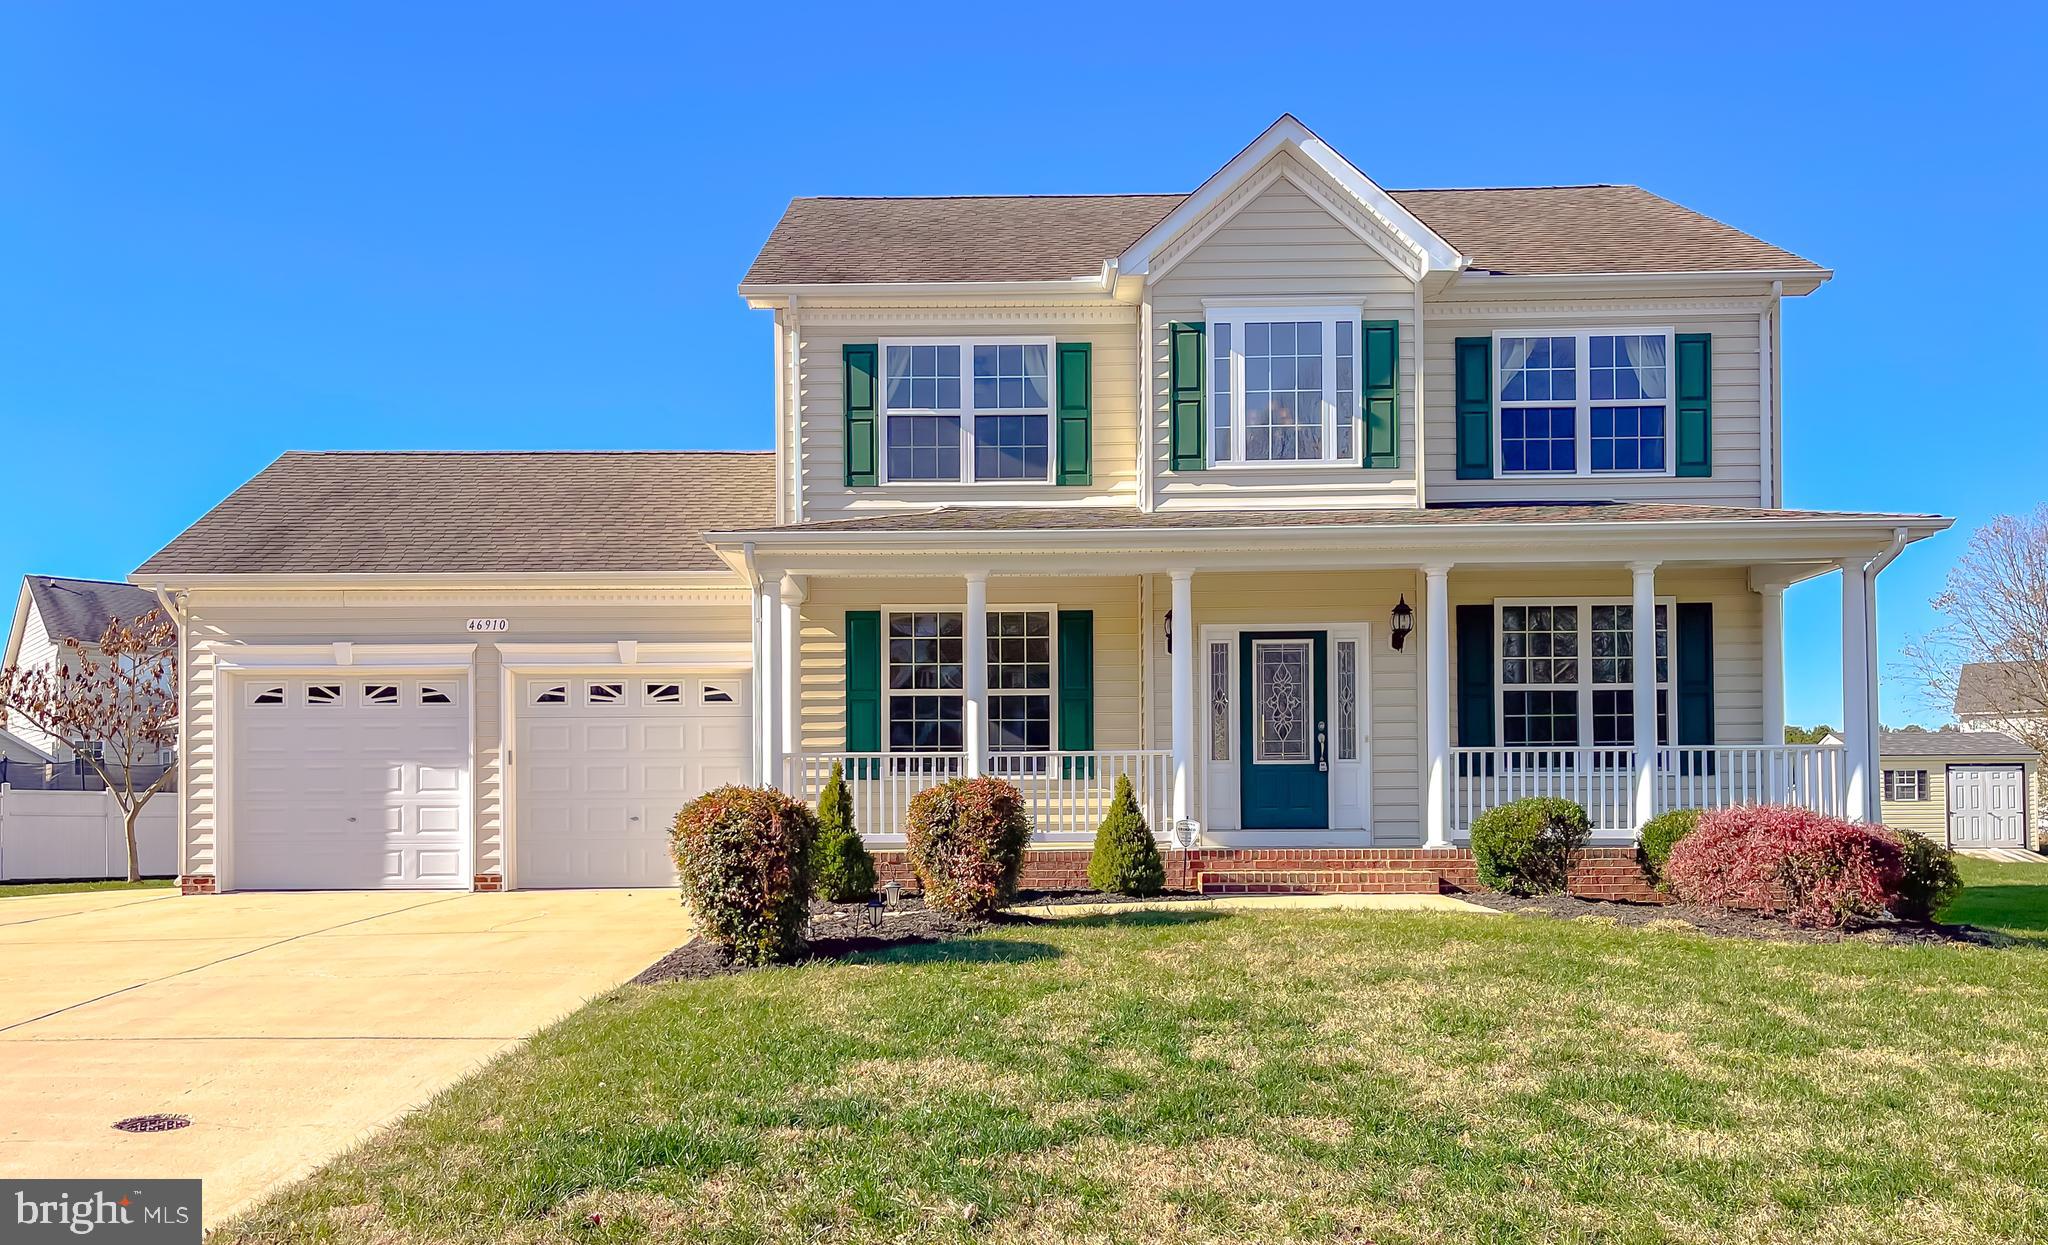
(1440, 190)
(512, 453)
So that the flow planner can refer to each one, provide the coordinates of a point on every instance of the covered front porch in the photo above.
(1318, 689)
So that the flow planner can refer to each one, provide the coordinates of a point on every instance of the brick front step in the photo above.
(1318, 882)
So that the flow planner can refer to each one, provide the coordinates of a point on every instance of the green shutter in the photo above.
(1693, 674)
(861, 433)
(1475, 407)
(1475, 676)
(1077, 680)
(1074, 433)
(1382, 373)
(1695, 391)
(863, 680)
(1186, 359)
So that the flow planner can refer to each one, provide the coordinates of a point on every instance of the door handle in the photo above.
(1322, 747)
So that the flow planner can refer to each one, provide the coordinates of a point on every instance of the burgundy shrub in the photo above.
(1812, 869)
(966, 843)
(744, 856)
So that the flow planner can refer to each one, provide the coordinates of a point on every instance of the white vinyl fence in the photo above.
(46, 835)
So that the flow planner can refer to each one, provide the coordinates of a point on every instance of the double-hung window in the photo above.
(1567, 673)
(1584, 402)
(961, 409)
(1283, 385)
(927, 680)
(1905, 784)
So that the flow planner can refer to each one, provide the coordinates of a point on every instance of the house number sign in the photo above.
(490, 624)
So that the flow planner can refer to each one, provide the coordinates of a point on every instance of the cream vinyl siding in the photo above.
(1738, 444)
(1109, 329)
(1114, 599)
(1929, 817)
(1738, 629)
(1394, 698)
(426, 617)
(1279, 243)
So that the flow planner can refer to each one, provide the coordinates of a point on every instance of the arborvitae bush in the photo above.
(844, 871)
(1126, 860)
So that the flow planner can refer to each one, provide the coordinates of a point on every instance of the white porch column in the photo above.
(1857, 733)
(787, 687)
(1183, 661)
(767, 694)
(1873, 717)
(1436, 717)
(1776, 776)
(1644, 646)
(975, 654)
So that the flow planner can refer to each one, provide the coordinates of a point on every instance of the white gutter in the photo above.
(1767, 362)
(768, 294)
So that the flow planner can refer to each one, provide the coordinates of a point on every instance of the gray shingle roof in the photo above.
(2010, 689)
(464, 513)
(80, 609)
(1104, 518)
(1936, 745)
(1525, 230)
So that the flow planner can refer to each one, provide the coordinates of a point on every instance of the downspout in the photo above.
(793, 351)
(178, 620)
(752, 571)
(1871, 570)
(1767, 389)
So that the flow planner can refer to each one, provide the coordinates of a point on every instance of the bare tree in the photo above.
(1994, 609)
(114, 703)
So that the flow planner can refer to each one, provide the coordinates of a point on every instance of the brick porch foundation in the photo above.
(487, 882)
(196, 884)
(1603, 873)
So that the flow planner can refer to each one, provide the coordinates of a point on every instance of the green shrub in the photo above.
(1527, 847)
(744, 855)
(1930, 880)
(966, 839)
(844, 872)
(1660, 834)
(1126, 860)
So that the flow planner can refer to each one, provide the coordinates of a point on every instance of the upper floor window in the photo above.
(1284, 385)
(957, 409)
(1584, 402)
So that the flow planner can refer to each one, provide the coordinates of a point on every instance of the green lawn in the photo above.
(1280, 1076)
(2012, 899)
(15, 890)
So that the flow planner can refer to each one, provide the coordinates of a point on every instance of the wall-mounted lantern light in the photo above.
(1169, 631)
(1404, 622)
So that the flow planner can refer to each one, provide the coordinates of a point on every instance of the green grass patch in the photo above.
(2012, 899)
(18, 890)
(1276, 1076)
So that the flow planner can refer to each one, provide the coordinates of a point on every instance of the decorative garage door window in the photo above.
(927, 680)
(649, 695)
(369, 694)
(1281, 671)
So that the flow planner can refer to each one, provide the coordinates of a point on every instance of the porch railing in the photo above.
(1066, 794)
(1603, 779)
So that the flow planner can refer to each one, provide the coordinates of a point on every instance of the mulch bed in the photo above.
(840, 930)
(1733, 924)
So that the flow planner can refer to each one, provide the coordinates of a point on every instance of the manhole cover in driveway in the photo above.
(152, 1123)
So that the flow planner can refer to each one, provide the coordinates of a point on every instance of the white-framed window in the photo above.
(1283, 385)
(967, 409)
(380, 693)
(1905, 784)
(1582, 402)
(1566, 673)
(323, 694)
(925, 676)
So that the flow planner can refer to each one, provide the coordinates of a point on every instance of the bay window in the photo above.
(926, 680)
(1584, 402)
(967, 409)
(1567, 673)
(1283, 385)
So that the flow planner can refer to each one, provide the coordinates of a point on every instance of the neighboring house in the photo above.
(53, 611)
(18, 751)
(1332, 515)
(1962, 788)
(2010, 697)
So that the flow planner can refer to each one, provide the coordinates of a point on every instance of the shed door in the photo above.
(356, 783)
(605, 763)
(1987, 806)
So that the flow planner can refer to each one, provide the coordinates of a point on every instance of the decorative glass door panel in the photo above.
(1282, 672)
(1284, 774)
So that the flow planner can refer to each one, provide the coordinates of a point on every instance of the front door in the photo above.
(1285, 769)
(1987, 806)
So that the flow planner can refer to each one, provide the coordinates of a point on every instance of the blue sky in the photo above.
(227, 231)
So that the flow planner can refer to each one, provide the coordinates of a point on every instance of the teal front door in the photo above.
(1285, 766)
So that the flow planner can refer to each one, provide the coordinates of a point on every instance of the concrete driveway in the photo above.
(285, 1026)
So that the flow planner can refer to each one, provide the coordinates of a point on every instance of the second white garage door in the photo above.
(605, 763)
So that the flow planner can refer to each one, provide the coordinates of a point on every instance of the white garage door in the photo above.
(357, 783)
(1987, 806)
(604, 764)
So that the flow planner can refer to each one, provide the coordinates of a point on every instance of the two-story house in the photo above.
(1333, 515)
